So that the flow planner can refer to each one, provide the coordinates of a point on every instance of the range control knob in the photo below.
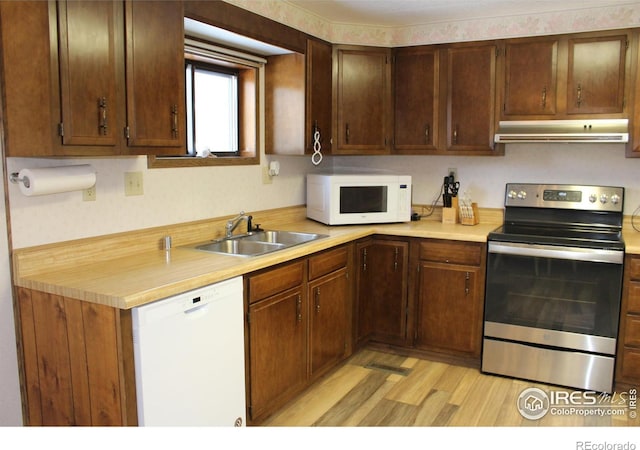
(615, 199)
(512, 194)
(593, 198)
(604, 198)
(522, 195)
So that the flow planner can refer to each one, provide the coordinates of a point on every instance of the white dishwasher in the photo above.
(189, 358)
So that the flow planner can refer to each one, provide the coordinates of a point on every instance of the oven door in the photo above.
(560, 297)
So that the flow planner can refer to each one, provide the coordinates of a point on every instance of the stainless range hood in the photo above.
(597, 131)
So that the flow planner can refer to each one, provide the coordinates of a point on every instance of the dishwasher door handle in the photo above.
(197, 311)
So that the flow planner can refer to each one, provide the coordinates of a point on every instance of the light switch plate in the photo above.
(133, 184)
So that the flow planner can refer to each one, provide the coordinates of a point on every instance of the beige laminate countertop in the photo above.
(135, 280)
(146, 276)
(631, 239)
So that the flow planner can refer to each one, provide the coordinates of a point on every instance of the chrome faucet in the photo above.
(232, 224)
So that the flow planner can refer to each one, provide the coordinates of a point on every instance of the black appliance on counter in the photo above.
(554, 285)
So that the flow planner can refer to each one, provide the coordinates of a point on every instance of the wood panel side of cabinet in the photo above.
(29, 82)
(285, 104)
(627, 372)
(73, 359)
(319, 96)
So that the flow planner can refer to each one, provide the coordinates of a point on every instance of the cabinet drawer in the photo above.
(633, 299)
(630, 363)
(327, 262)
(633, 266)
(632, 331)
(452, 252)
(276, 280)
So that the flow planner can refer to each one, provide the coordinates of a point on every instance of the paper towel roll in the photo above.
(52, 180)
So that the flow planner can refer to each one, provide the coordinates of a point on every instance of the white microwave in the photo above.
(346, 199)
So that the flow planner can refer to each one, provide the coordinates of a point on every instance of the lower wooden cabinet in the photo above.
(382, 288)
(450, 297)
(299, 326)
(628, 355)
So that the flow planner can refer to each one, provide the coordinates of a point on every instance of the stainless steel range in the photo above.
(554, 284)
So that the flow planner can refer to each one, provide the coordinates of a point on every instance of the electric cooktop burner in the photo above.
(600, 239)
(567, 215)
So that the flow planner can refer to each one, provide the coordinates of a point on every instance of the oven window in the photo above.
(554, 294)
(363, 199)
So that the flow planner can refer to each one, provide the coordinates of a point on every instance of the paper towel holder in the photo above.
(15, 178)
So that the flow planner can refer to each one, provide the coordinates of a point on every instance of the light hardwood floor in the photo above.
(373, 388)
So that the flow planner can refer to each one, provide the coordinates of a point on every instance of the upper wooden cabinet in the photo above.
(90, 86)
(155, 76)
(467, 99)
(530, 74)
(416, 80)
(565, 77)
(362, 100)
(108, 87)
(298, 100)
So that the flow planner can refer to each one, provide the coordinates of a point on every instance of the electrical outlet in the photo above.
(133, 184)
(453, 171)
(89, 194)
(266, 177)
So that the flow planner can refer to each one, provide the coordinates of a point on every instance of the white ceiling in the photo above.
(395, 13)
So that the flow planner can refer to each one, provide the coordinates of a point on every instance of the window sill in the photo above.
(164, 162)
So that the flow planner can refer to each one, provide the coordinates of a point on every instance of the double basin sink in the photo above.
(258, 242)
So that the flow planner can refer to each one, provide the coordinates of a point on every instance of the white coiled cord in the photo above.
(316, 158)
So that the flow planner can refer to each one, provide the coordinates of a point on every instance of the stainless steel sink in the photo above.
(240, 247)
(257, 242)
(287, 238)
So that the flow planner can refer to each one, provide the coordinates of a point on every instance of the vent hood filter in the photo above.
(597, 131)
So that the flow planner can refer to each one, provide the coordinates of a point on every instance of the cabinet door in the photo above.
(329, 314)
(449, 308)
(363, 99)
(530, 74)
(91, 61)
(416, 99)
(319, 85)
(278, 355)
(382, 291)
(155, 76)
(596, 75)
(470, 94)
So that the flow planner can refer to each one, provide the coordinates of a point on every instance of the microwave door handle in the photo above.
(557, 252)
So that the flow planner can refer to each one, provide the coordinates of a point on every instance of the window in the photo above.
(223, 107)
(212, 110)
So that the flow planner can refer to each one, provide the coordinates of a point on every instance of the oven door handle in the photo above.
(558, 252)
